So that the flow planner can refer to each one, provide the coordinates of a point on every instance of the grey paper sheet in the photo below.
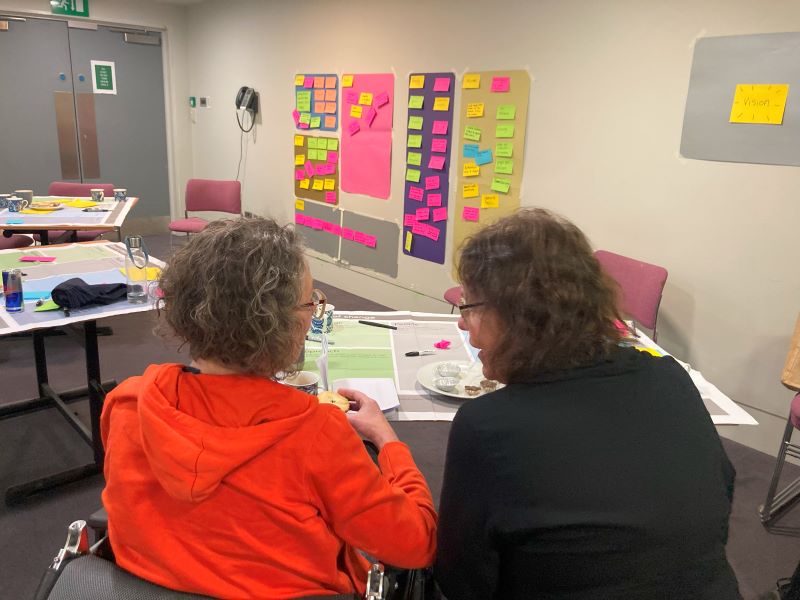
(719, 64)
(319, 240)
(382, 258)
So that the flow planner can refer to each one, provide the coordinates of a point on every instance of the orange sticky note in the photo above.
(330, 107)
(330, 122)
(319, 82)
(330, 82)
(319, 95)
(330, 95)
(319, 107)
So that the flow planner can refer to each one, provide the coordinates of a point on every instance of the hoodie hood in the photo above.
(196, 428)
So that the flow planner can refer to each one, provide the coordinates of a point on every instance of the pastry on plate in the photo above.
(328, 397)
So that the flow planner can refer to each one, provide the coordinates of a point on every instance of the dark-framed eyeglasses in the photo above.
(317, 304)
(462, 307)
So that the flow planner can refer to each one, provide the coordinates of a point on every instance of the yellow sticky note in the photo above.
(347, 81)
(472, 81)
(299, 205)
(441, 103)
(474, 109)
(365, 98)
(356, 111)
(471, 170)
(77, 203)
(136, 274)
(299, 79)
(330, 184)
(490, 201)
(416, 82)
(299, 140)
(471, 190)
(299, 160)
(304, 184)
(407, 245)
(759, 103)
(318, 185)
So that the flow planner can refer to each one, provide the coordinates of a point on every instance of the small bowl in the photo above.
(446, 384)
(448, 370)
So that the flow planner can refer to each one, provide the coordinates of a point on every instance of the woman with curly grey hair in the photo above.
(596, 472)
(222, 481)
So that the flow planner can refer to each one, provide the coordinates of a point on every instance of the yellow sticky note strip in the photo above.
(472, 81)
(80, 203)
(470, 190)
(365, 98)
(299, 204)
(416, 82)
(299, 160)
(318, 185)
(471, 170)
(475, 109)
(136, 274)
(762, 104)
(330, 184)
(407, 245)
(441, 103)
(28, 211)
(347, 81)
(490, 201)
(299, 79)
(300, 140)
(304, 184)
(356, 111)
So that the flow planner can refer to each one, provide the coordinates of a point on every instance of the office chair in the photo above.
(640, 283)
(453, 296)
(207, 195)
(777, 502)
(15, 241)
(80, 190)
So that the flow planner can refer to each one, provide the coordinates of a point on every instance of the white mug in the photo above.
(97, 194)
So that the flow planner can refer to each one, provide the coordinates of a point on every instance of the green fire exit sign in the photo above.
(72, 8)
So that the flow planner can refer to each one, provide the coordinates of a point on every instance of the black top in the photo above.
(608, 481)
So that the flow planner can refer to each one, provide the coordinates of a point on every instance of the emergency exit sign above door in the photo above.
(72, 8)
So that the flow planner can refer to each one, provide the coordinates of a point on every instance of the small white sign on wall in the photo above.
(104, 77)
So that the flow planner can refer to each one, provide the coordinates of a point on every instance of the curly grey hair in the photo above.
(232, 292)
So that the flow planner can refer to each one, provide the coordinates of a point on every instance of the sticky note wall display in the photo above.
(316, 101)
(490, 143)
(427, 170)
(367, 106)
(316, 168)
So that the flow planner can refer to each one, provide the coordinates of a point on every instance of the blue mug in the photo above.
(325, 324)
(305, 381)
(17, 204)
(4, 200)
(120, 194)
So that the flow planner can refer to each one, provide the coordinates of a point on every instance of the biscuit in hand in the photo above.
(335, 399)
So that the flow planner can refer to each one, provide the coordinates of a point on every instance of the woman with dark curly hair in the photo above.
(596, 472)
(222, 481)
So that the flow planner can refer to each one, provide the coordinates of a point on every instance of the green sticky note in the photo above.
(416, 101)
(412, 175)
(322, 143)
(313, 142)
(472, 133)
(414, 141)
(304, 101)
(415, 123)
(305, 118)
(311, 154)
(333, 144)
(414, 158)
(47, 305)
(506, 112)
(504, 149)
(315, 122)
(501, 185)
(505, 166)
(504, 130)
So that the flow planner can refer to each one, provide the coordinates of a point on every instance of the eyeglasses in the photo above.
(462, 307)
(317, 304)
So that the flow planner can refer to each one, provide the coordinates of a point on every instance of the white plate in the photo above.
(471, 374)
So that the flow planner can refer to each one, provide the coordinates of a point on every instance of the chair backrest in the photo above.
(214, 194)
(790, 377)
(81, 190)
(641, 285)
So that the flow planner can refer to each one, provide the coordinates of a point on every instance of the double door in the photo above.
(54, 127)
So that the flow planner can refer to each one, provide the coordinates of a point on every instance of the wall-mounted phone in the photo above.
(247, 99)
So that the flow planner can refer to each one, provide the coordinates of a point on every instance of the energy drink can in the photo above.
(12, 290)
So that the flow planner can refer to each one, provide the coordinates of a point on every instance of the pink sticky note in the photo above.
(423, 214)
(419, 229)
(318, 224)
(333, 156)
(308, 82)
(359, 237)
(436, 163)
(432, 182)
(501, 84)
(439, 145)
(38, 258)
(442, 345)
(310, 168)
(369, 115)
(337, 229)
(415, 193)
(433, 233)
(441, 84)
(380, 99)
(434, 199)
(470, 213)
(440, 214)
(299, 218)
(370, 241)
(296, 117)
(354, 127)
(326, 226)
(299, 174)
(347, 234)
(439, 128)
(409, 220)
(303, 125)
(330, 197)
(351, 97)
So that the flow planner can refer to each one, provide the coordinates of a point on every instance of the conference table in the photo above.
(72, 217)
(94, 262)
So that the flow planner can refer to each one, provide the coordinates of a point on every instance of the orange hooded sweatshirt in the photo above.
(235, 486)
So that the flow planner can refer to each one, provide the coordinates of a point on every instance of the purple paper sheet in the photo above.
(422, 246)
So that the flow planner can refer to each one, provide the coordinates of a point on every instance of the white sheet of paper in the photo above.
(322, 363)
(380, 389)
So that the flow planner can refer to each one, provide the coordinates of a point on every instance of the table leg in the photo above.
(44, 238)
(95, 392)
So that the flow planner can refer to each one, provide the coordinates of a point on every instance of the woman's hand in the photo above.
(367, 419)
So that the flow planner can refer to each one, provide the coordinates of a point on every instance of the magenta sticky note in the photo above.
(308, 82)
(299, 174)
(419, 229)
(442, 345)
(330, 197)
(351, 97)
(380, 99)
(370, 241)
(409, 220)
(440, 214)
(501, 84)
(432, 182)
(318, 224)
(423, 214)
(337, 229)
(296, 117)
(436, 163)
(433, 233)
(439, 145)
(303, 125)
(326, 226)
(310, 169)
(470, 213)
(354, 128)
(333, 156)
(441, 84)
(359, 237)
(369, 115)
(434, 199)
(439, 128)
(347, 234)
(415, 193)
(299, 218)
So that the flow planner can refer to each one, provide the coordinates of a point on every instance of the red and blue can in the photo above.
(12, 290)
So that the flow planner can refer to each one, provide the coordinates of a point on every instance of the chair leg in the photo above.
(777, 502)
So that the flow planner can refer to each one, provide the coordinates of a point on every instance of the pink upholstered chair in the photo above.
(80, 190)
(641, 285)
(453, 296)
(15, 241)
(208, 195)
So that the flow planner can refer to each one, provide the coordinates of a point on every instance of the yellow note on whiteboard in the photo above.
(365, 99)
(490, 201)
(470, 190)
(347, 81)
(761, 104)
(356, 111)
(475, 109)
(471, 170)
(317, 185)
(299, 140)
(299, 160)
(407, 245)
(441, 103)
(417, 82)
(305, 184)
(299, 79)
(472, 81)
(299, 205)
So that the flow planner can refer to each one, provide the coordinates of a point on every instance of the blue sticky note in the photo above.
(35, 295)
(470, 150)
(15, 221)
(483, 157)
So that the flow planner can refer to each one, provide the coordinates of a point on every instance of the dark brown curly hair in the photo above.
(536, 272)
(231, 293)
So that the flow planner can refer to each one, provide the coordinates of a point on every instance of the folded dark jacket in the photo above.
(75, 293)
